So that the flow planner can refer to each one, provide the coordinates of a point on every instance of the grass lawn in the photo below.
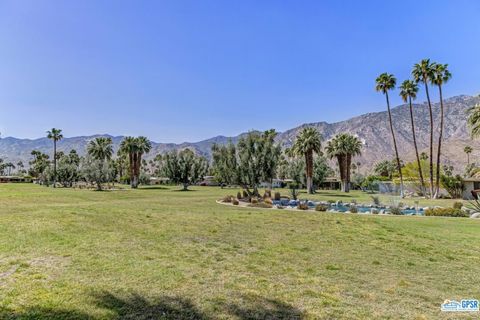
(159, 253)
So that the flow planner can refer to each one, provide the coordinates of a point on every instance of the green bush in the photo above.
(321, 207)
(396, 210)
(277, 196)
(235, 202)
(239, 195)
(245, 194)
(376, 200)
(445, 212)
(353, 209)
(254, 200)
(260, 205)
(457, 205)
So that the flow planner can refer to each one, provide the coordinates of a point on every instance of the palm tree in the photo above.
(408, 92)
(468, 150)
(135, 148)
(308, 141)
(384, 83)
(55, 135)
(422, 72)
(100, 148)
(440, 76)
(344, 147)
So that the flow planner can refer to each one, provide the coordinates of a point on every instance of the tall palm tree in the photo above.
(135, 148)
(55, 135)
(344, 147)
(440, 76)
(384, 83)
(408, 92)
(100, 148)
(308, 142)
(468, 150)
(423, 72)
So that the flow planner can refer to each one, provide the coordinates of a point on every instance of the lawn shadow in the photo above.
(153, 188)
(135, 306)
(41, 313)
(254, 307)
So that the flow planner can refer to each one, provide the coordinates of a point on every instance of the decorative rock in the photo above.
(476, 215)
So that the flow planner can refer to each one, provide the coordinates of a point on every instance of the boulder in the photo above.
(476, 215)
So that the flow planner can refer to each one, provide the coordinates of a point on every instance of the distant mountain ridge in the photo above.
(371, 128)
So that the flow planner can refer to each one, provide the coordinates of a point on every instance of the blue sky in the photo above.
(189, 70)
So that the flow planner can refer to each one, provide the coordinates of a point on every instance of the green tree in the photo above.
(55, 135)
(385, 168)
(184, 167)
(423, 73)
(321, 170)
(467, 151)
(224, 163)
(384, 83)
(101, 150)
(307, 143)
(38, 165)
(440, 76)
(344, 147)
(408, 92)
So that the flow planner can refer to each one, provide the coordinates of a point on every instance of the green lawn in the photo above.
(158, 253)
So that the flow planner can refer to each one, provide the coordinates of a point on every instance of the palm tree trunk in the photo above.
(395, 146)
(309, 169)
(348, 160)
(419, 164)
(341, 167)
(431, 137)
(468, 159)
(54, 163)
(439, 151)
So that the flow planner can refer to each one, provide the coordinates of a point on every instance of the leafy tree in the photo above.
(271, 155)
(68, 171)
(39, 164)
(454, 185)
(385, 168)
(96, 171)
(384, 83)
(408, 92)
(55, 135)
(184, 167)
(224, 163)
(468, 150)
(135, 148)
(307, 143)
(344, 147)
(423, 73)
(321, 170)
(440, 76)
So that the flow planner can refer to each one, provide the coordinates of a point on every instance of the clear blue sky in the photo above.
(188, 70)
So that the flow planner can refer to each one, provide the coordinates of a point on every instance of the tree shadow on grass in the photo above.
(134, 306)
(153, 188)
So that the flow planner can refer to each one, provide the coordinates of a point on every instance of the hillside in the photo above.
(372, 128)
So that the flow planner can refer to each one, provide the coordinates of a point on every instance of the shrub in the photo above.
(268, 201)
(235, 202)
(254, 200)
(277, 196)
(267, 194)
(353, 209)
(302, 206)
(445, 212)
(227, 199)
(376, 200)
(374, 211)
(453, 184)
(260, 205)
(396, 210)
(239, 195)
(331, 201)
(457, 205)
(321, 207)
(245, 194)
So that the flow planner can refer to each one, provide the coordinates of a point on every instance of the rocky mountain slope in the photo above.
(372, 128)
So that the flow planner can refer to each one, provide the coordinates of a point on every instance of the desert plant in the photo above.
(245, 194)
(374, 211)
(302, 206)
(376, 200)
(396, 210)
(293, 190)
(277, 196)
(353, 209)
(235, 202)
(227, 199)
(267, 194)
(446, 212)
(457, 205)
(254, 200)
(321, 207)
(268, 200)
(474, 205)
(239, 195)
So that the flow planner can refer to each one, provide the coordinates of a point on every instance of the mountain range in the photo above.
(371, 128)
